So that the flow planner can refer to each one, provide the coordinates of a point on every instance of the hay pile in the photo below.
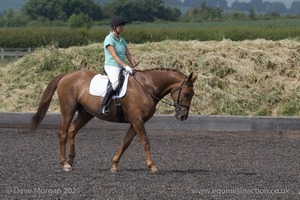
(256, 77)
(236, 78)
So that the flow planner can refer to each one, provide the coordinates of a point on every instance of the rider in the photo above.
(115, 49)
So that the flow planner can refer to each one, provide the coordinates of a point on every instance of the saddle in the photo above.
(100, 82)
(99, 85)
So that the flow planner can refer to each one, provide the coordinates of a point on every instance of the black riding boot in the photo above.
(109, 93)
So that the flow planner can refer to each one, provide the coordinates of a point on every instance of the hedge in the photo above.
(65, 37)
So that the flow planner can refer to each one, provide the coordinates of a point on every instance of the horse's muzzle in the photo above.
(180, 115)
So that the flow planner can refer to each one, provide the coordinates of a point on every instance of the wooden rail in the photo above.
(14, 52)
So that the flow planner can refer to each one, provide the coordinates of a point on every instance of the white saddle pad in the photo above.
(98, 86)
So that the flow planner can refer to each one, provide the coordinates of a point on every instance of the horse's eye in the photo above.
(186, 95)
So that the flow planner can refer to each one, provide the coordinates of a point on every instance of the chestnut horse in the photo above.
(145, 89)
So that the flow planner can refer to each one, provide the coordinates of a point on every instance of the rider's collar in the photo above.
(112, 35)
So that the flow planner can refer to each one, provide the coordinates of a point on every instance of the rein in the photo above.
(177, 105)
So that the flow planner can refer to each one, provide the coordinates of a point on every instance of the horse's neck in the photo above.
(162, 82)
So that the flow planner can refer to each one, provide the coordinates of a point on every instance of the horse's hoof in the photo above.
(153, 170)
(67, 168)
(114, 170)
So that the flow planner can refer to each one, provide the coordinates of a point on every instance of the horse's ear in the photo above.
(192, 78)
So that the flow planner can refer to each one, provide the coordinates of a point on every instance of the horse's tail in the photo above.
(45, 102)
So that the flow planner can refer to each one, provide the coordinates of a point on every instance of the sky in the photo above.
(286, 2)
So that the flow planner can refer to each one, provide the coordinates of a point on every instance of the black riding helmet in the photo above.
(117, 20)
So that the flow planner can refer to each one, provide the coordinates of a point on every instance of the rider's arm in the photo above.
(113, 53)
(130, 58)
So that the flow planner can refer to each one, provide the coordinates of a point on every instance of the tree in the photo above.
(61, 9)
(238, 15)
(170, 14)
(88, 7)
(13, 18)
(80, 20)
(141, 10)
(49, 9)
(203, 13)
(251, 14)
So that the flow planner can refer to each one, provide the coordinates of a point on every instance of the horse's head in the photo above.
(182, 96)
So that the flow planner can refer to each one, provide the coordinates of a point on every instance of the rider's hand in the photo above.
(129, 69)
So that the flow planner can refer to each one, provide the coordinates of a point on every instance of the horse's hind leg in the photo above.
(82, 119)
(127, 140)
(62, 135)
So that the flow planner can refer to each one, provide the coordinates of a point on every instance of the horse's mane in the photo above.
(161, 69)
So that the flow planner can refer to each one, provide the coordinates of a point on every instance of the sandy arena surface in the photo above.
(192, 165)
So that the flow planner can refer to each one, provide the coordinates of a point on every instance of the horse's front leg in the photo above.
(126, 142)
(140, 130)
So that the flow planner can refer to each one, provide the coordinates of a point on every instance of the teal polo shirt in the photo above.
(120, 47)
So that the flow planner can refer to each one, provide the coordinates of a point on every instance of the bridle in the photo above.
(178, 104)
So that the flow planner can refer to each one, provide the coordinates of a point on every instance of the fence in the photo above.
(14, 52)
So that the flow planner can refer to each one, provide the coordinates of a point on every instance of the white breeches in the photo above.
(113, 75)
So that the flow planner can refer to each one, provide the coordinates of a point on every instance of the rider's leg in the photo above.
(106, 100)
(113, 75)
